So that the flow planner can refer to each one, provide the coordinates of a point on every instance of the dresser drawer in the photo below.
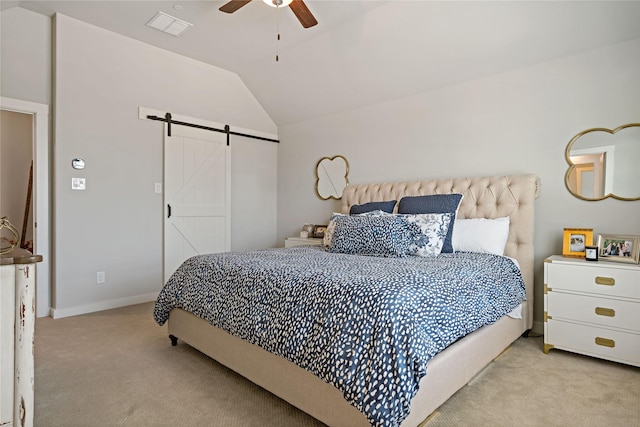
(593, 341)
(594, 310)
(594, 279)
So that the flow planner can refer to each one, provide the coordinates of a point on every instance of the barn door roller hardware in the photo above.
(167, 119)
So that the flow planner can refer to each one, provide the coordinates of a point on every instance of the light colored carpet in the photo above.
(525, 387)
(117, 367)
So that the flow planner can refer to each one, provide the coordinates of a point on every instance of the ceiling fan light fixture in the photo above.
(278, 3)
(298, 8)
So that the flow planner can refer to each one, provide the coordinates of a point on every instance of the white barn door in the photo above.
(197, 195)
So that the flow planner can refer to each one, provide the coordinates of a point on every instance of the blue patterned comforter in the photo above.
(366, 325)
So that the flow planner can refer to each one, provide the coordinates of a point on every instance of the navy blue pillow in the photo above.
(373, 206)
(435, 203)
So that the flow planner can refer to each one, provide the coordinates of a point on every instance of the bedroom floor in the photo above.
(117, 367)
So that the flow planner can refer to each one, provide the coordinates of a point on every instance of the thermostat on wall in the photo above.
(77, 163)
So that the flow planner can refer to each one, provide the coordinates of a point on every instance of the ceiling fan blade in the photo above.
(303, 14)
(233, 5)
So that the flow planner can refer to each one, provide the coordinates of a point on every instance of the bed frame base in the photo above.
(446, 373)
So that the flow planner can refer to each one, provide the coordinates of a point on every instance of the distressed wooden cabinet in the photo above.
(17, 327)
(592, 308)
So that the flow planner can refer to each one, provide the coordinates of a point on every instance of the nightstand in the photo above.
(592, 308)
(290, 242)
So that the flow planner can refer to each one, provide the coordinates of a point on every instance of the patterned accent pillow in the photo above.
(389, 235)
(373, 206)
(373, 235)
(376, 212)
(435, 203)
(328, 234)
(433, 229)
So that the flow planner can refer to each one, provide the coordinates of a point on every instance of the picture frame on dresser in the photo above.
(319, 230)
(575, 240)
(619, 248)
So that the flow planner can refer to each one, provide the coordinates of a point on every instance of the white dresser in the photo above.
(17, 327)
(290, 242)
(592, 308)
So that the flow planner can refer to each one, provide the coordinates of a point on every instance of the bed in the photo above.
(484, 198)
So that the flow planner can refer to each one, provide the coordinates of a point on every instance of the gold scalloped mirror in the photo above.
(604, 163)
(332, 176)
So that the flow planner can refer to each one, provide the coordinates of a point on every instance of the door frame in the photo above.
(603, 169)
(41, 190)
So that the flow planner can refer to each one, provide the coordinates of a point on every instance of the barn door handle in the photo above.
(168, 211)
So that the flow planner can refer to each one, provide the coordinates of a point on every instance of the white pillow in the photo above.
(481, 235)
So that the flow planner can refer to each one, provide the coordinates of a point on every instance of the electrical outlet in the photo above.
(101, 277)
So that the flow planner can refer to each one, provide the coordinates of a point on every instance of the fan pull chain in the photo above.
(277, 31)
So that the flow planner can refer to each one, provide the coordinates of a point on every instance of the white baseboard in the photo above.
(58, 313)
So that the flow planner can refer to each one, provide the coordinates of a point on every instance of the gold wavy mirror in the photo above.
(332, 176)
(604, 163)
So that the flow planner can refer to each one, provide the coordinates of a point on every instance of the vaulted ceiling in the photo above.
(363, 52)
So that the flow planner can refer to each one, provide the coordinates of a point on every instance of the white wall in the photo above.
(511, 123)
(25, 55)
(254, 200)
(115, 225)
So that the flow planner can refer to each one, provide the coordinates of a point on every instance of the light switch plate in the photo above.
(158, 187)
(78, 183)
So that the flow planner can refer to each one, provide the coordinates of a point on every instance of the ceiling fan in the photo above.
(297, 6)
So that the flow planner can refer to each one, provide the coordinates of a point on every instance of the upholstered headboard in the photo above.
(484, 197)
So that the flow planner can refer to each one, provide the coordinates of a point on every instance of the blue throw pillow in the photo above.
(373, 206)
(435, 203)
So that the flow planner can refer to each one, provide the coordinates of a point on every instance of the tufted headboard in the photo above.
(484, 197)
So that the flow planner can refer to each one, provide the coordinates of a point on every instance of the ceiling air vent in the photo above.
(168, 24)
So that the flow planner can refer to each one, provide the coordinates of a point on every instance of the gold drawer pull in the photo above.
(607, 281)
(601, 311)
(605, 342)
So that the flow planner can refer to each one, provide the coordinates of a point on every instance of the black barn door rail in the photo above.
(167, 118)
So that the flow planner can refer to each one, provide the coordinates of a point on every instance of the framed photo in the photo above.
(319, 230)
(575, 240)
(619, 248)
